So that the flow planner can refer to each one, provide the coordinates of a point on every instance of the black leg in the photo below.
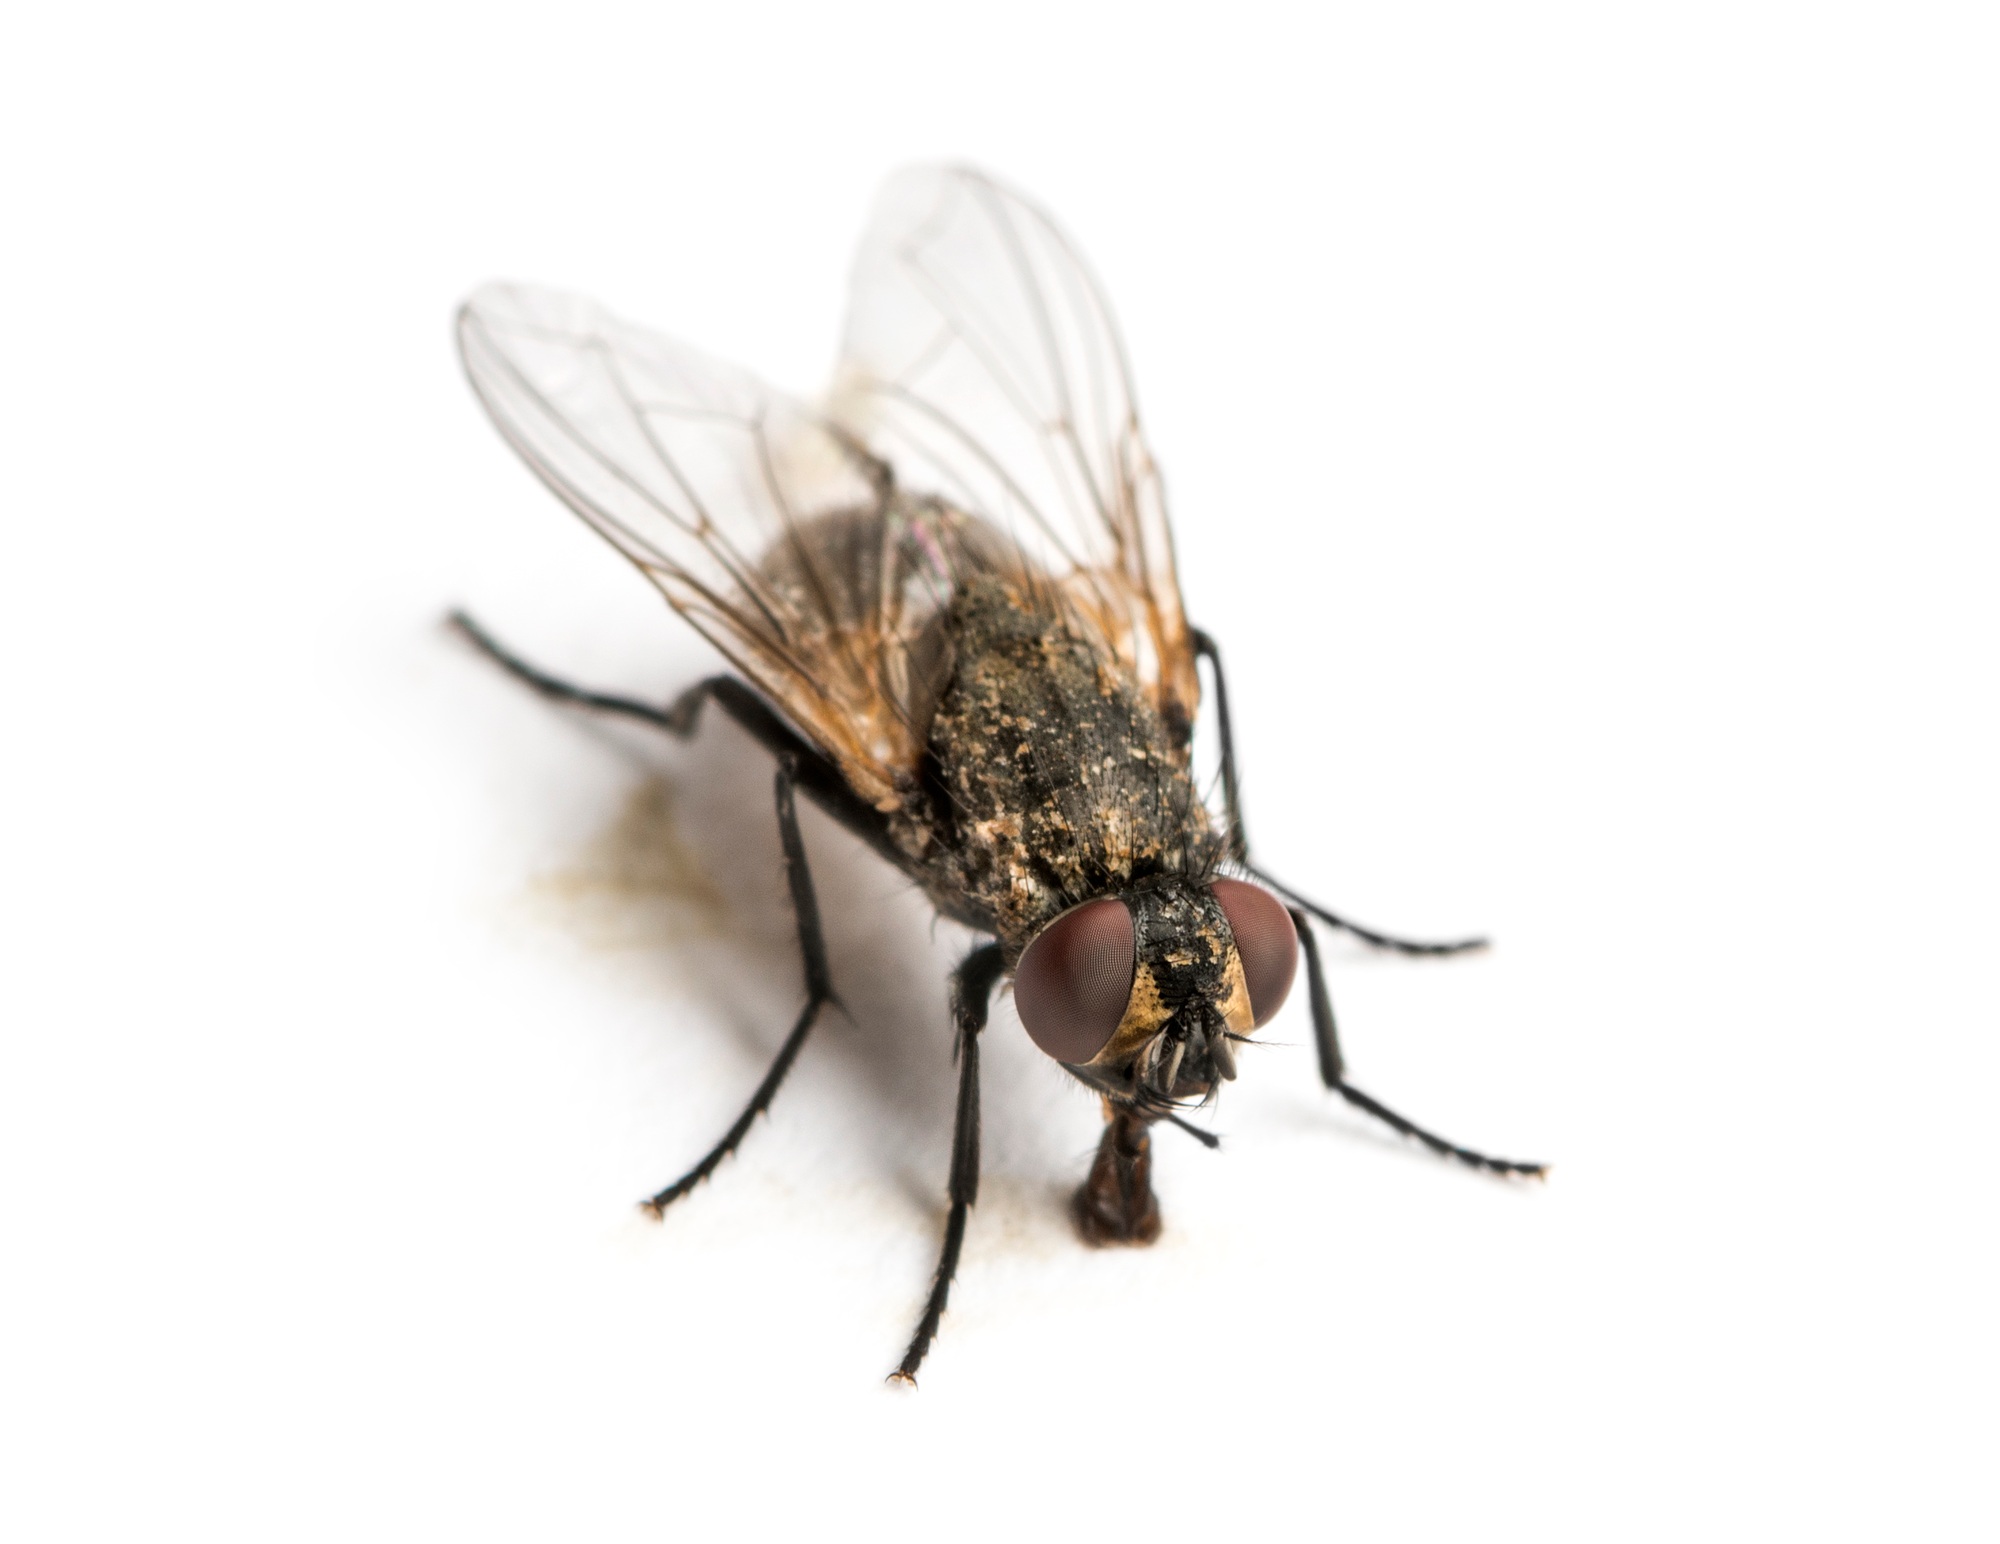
(1239, 847)
(1369, 935)
(815, 775)
(971, 989)
(819, 992)
(679, 720)
(1204, 648)
(1332, 1065)
(1332, 1071)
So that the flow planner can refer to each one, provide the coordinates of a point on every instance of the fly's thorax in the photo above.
(1052, 778)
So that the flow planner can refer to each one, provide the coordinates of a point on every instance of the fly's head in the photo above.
(1142, 995)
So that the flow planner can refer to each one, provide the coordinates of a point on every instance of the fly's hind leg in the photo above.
(812, 773)
(1116, 1205)
(678, 720)
(800, 767)
(819, 992)
(1333, 1071)
(971, 991)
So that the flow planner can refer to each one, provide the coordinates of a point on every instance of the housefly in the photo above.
(948, 595)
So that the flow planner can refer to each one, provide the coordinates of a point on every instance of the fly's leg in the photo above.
(801, 768)
(1369, 935)
(1116, 1205)
(679, 720)
(1326, 1037)
(1205, 648)
(1239, 848)
(815, 776)
(971, 990)
(1333, 1070)
(819, 992)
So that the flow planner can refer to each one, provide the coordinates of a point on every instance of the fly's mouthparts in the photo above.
(1221, 1057)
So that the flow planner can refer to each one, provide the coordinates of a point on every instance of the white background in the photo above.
(1580, 425)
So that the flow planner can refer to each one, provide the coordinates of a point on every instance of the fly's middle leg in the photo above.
(1239, 847)
(1116, 1205)
(1205, 648)
(1368, 935)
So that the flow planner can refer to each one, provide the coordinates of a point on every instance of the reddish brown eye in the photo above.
(1265, 943)
(1072, 985)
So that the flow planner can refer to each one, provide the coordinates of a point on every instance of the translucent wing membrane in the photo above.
(770, 531)
(982, 423)
(981, 361)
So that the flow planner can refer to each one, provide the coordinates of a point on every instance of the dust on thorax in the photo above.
(1050, 777)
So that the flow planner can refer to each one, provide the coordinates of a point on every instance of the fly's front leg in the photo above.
(1116, 1205)
(971, 991)
(819, 992)
(1333, 1070)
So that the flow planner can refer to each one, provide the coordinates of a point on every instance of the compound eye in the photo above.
(1265, 942)
(1075, 979)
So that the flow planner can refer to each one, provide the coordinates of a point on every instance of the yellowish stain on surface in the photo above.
(637, 881)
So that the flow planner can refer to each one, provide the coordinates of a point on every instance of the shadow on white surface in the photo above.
(1578, 425)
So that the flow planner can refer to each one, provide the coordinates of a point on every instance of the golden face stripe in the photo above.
(1237, 1015)
(1146, 1014)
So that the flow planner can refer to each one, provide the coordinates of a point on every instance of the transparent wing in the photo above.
(770, 530)
(982, 363)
